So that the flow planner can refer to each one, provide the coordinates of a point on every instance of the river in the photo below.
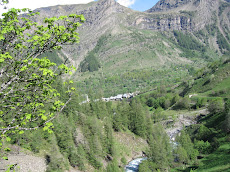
(134, 165)
(184, 120)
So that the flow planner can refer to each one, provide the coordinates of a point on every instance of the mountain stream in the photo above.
(134, 165)
(184, 120)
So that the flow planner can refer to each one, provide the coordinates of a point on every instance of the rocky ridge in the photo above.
(107, 17)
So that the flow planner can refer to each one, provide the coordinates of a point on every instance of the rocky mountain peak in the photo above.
(109, 5)
(108, 2)
(164, 5)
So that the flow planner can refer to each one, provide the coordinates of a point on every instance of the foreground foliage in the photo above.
(28, 99)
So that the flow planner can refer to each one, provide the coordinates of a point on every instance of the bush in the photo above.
(181, 155)
(216, 106)
(147, 166)
(94, 161)
(222, 42)
(203, 133)
(215, 144)
(183, 103)
(113, 167)
(188, 42)
(201, 102)
(203, 147)
(90, 63)
(150, 102)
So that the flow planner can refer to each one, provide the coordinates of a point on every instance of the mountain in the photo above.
(155, 54)
(200, 12)
(172, 33)
(165, 5)
(101, 17)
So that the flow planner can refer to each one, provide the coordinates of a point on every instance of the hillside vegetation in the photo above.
(174, 57)
(104, 136)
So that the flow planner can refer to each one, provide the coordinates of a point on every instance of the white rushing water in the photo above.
(134, 165)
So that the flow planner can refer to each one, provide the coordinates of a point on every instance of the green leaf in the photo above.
(21, 132)
(2, 37)
(44, 117)
(7, 149)
(50, 131)
(5, 158)
(1, 60)
(28, 116)
(45, 128)
(8, 139)
(49, 124)
(36, 37)
(82, 18)
(23, 68)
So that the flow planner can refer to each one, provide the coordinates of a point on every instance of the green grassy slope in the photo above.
(213, 81)
(218, 161)
(142, 59)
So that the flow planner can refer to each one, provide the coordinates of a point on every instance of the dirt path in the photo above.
(23, 162)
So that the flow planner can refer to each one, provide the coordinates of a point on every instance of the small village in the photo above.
(118, 97)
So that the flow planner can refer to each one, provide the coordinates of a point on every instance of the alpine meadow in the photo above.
(100, 87)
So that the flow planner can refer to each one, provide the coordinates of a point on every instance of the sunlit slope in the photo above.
(212, 81)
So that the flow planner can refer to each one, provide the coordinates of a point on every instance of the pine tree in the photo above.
(160, 151)
(137, 118)
(181, 155)
(117, 121)
(186, 143)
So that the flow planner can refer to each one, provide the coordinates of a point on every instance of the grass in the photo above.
(130, 80)
(218, 161)
(217, 86)
(130, 55)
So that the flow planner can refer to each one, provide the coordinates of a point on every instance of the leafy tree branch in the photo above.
(28, 99)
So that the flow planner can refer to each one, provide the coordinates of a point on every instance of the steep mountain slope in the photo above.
(172, 33)
(213, 81)
(101, 17)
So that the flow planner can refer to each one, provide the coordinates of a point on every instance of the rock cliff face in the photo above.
(165, 22)
(191, 15)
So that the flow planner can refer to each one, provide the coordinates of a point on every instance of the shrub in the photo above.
(202, 147)
(90, 63)
(216, 106)
(183, 103)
